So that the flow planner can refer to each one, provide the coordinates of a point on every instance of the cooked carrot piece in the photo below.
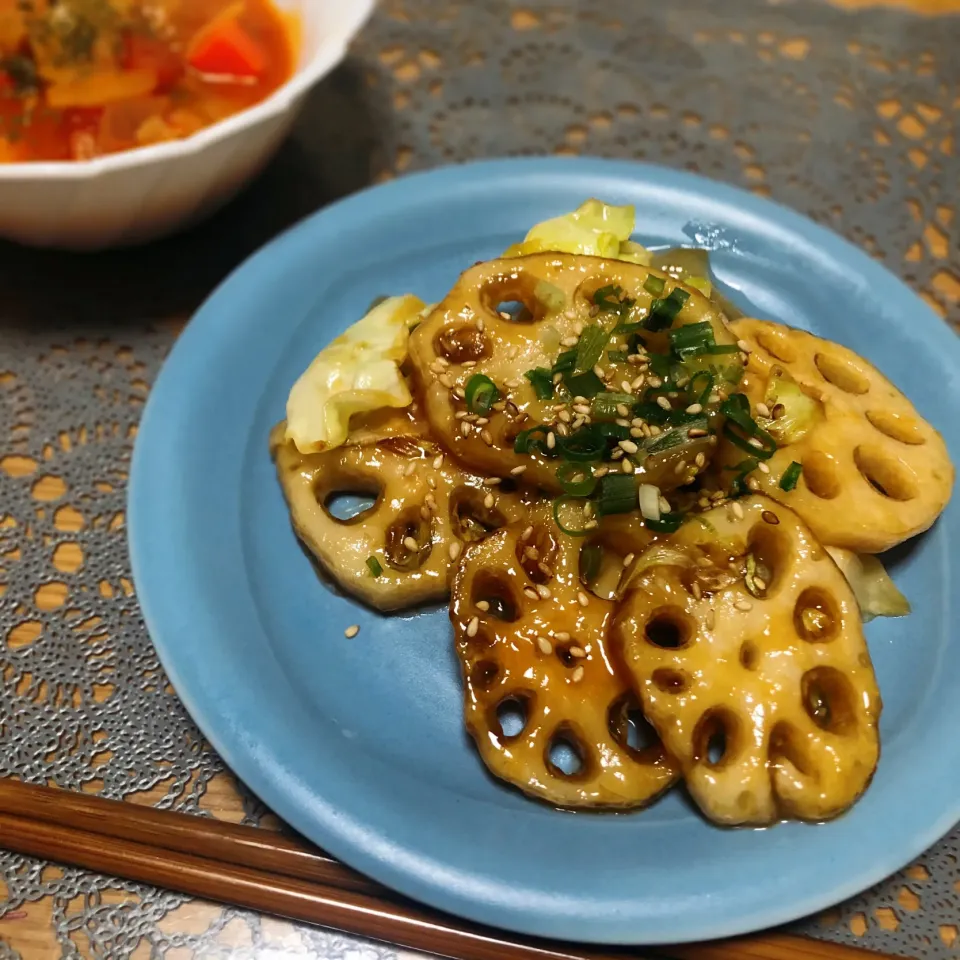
(226, 49)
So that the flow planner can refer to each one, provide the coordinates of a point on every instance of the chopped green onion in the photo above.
(618, 494)
(584, 384)
(708, 378)
(565, 361)
(593, 340)
(617, 356)
(719, 348)
(654, 285)
(529, 441)
(739, 488)
(737, 411)
(585, 446)
(661, 364)
(576, 480)
(542, 382)
(481, 394)
(557, 505)
(591, 556)
(608, 297)
(790, 476)
(373, 565)
(668, 523)
(664, 311)
(605, 405)
(691, 340)
(677, 434)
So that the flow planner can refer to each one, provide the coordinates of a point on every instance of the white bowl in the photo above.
(138, 195)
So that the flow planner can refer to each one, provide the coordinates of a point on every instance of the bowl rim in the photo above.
(330, 52)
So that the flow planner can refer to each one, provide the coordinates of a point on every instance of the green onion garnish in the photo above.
(739, 488)
(584, 384)
(373, 565)
(585, 446)
(691, 340)
(566, 361)
(608, 297)
(591, 556)
(559, 503)
(481, 394)
(718, 348)
(664, 311)
(618, 494)
(576, 480)
(534, 440)
(661, 364)
(542, 382)
(654, 285)
(668, 523)
(708, 380)
(593, 340)
(605, 405)
(790, 476)
(737, 411)
(617, 356)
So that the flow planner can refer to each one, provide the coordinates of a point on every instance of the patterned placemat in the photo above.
(850, 118)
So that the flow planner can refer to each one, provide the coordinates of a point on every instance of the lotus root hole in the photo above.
(408, 527)
(749, 655)
(715, 737)
(483, 674)
(778, 346)
(537, 555)
(349, 503)
(786, 744)
(512, 714)
(630, 729)
(815, 616)
(820, 475)
(586, 291)
(771, 552)
(567, 756)
(494, 590)
(842, 373)
(669, 628)
(828, 697)
(886, 475)
(670, 681)
(897, 426)
(462, 343)
(512, 300)
(470, 519)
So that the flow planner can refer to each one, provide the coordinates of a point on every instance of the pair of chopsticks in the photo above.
(271, 873)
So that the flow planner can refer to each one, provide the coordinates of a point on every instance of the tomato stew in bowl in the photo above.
(86, 78)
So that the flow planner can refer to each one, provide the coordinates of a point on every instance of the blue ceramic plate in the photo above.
(359, 744)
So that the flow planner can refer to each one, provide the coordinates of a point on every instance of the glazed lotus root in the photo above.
(426, 509)
(745, 644)
(874, 472)
(549, 711)
(511, 316)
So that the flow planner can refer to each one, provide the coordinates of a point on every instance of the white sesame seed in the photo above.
(551, 440)
(488, 501)
(543, 591)
(578, 328)
(516, 471)
(582, 599)
(486, 437)
(713, 398)
(557, 377)
(514, 383)
(616, 453)
(664, 505)
(762, 467)
(599, 371)
(628, 445)
(753, 484)
(492, 482)
(636, 432)
(443, 361)
(638, 383)
(577, 653)
(460, 414)
(469, 364)
(601, 472)
(438, 461)
(465, 429)
(513, 353)
(628, 559)
(473, 626)
(408, 469)
(654, 430)
(663, 402)
(624, 411)
(432, 481)
(700, 460)
(737, 510)
(744, 605)
(591, 525)
(568, 342)
(531, 593)
(694, 408)
(410, 543)
(446, 380)
(351, 632)
(564, 415)
(424, 512)
(577, 675)
(625, 386)
(754, 442)
(762, 409)
(680, 467)
(696, 591)
(483, 605)
(545, 570)
(532, 552)
(744, 346)
(696, 432)
(760, 583)
(546, 647)
(482, 421)
(527, 534)
(454, 549)
(655, 383)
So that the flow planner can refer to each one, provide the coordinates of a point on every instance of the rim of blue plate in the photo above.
(249, 755)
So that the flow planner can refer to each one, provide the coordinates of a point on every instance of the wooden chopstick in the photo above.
(267, 872)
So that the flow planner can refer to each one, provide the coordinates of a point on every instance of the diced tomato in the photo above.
(145, 52)
(224, 48)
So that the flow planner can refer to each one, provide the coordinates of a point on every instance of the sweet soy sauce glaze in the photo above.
(84, 78)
